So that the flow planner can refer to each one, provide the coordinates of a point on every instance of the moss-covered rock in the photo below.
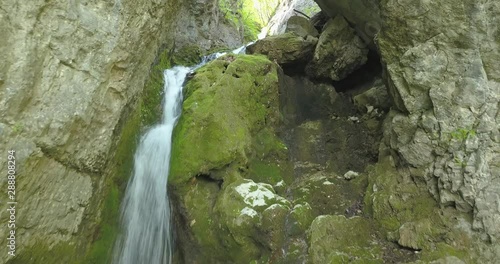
(227, 102)
(408, 215)
(286, 48)
(227, 132)
(301, 218)
(336, 239)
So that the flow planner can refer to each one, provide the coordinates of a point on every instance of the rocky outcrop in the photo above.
(286, 48)
(301, 26)
(69, 71)
(443, 79)
(338, 53)
(337, 239)
(225, 156)
(286, 9)
(71, 80)
(364, 15)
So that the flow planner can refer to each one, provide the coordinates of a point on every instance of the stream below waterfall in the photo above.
(146, 215)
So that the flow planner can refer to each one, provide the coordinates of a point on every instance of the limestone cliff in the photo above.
(71, 80)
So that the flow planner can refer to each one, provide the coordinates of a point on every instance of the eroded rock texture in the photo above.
(440, 71)
(71, 77)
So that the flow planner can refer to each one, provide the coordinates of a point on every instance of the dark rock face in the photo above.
(338, 53)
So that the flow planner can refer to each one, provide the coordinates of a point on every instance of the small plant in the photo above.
(460, 162)
(461, 134)
(17, 128)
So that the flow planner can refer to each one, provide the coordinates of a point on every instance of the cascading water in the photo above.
(146, 208)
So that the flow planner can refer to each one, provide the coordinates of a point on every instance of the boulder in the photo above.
(301, 26)
(363, 15)
(225, 156)
(375, 97)
(338, 53)
(287, 48)
(337, 239)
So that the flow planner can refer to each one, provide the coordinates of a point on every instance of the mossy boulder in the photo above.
(301, 26)
(337, 239)
(225, 158)
(408, 215)
(300, 218)
(286, 48)
(227, 103)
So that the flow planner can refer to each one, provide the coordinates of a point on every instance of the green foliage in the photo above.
(17, 128)
(461, 134)
(249, 16)
(458, 161)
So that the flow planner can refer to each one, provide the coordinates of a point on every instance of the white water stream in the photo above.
(146, 226)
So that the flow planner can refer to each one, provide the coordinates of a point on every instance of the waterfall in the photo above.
(145, 215)
(146, 208)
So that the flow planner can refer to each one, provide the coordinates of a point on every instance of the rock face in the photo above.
(447, 87)
(339, 51)
(71, 79)
(364, 15)
(278, 22)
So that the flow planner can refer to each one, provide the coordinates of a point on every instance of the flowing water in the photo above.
(145, 215)
(146, 208)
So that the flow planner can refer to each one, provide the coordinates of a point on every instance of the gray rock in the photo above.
(442, 78)
(364, 15)
(336, 239)
(338, 52)
(278, 22)
(69, 75)
(374, 97)
(286, 48)
(301, 26)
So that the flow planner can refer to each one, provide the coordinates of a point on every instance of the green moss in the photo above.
(187, 56)
(336, 239)
(392, 203)
(260, 171)
(203, 224)
(153, 89)
(249, 16)
(227, 102)
(301, 218)
(102, 248)
(122, 165)
(443, 250)
(41, 253)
